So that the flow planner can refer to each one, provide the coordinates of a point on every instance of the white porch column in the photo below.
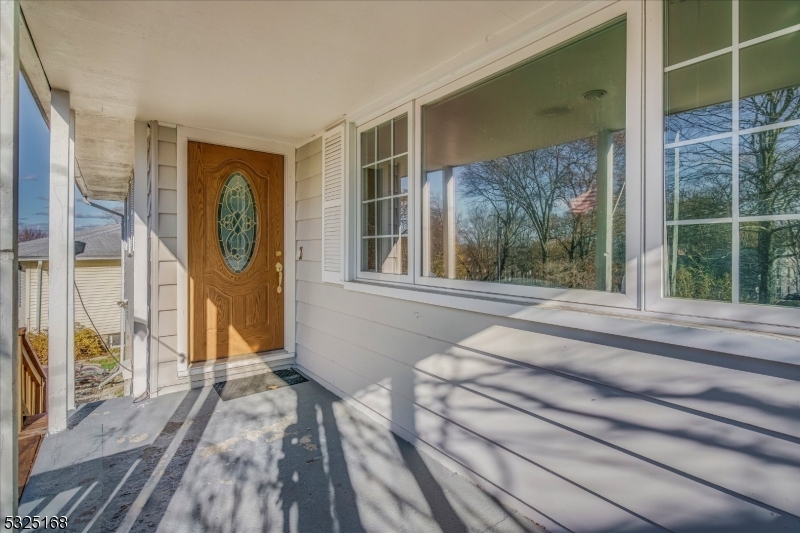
(605, 209)
(138, 304)
(61, 249)
(71, 268)
(449, 226)
(9, 169)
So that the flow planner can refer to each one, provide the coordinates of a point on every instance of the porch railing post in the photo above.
(9, 170)
(61, 248)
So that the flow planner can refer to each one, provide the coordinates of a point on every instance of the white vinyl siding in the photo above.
(164, 354)
(99, 283)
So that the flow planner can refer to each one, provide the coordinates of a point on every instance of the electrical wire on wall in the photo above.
(80, 298)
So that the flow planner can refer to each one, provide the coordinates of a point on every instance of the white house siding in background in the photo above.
(99, 283)
(592, 431)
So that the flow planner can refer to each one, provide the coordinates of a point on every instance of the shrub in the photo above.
(87, 344)
(38, 340)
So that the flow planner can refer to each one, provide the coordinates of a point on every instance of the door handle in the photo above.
(279, 270)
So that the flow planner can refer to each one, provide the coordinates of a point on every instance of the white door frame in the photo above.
(184, 135)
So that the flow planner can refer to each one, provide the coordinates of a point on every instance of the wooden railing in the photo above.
(32, 380)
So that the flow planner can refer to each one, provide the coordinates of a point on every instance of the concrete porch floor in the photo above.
(296, 458)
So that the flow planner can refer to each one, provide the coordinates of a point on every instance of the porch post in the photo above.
(71, 268)
(605, 210)
(139, 304)
(449, 226)
(9, 168)
(61, 248)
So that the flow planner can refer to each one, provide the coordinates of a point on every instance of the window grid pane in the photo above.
(750, 131)
(384, 198)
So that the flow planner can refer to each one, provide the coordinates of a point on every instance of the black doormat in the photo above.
(238, 388)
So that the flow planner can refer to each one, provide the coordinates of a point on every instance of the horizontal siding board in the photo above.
(308, 230)
(165, 133)
(167, 323)
(309, 188)
(312, 250)
(554, 497)
(167, 153)
(710, 450)
(168, 249)
(643, 488)
(310, 271)
(167, 201)
(309, 208)
(167, 297)
(167, 348)
(167, 177)
(751, 397)
(167, 225)
(168, 272)
(309, 166)
(309, 149)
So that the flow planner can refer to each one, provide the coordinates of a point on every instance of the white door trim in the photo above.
(186, 134)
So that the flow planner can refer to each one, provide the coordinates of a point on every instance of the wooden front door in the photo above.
(235, 227)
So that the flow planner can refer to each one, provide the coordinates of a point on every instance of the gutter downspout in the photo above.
(39, 296)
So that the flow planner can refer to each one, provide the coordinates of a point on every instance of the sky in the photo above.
(34, 172)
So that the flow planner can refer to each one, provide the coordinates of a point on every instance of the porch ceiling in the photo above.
(282, 70)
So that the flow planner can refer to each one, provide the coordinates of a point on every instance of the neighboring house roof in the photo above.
(102, 242)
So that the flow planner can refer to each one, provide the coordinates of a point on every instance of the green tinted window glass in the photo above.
(760, 17)
(237, 222)
(695, 28)
(698, 99)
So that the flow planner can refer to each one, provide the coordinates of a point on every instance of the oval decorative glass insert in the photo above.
(237, 222)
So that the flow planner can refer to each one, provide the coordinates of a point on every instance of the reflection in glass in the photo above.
(368, 183)
(384, 141)
(401, 135)
(760, 17)
(695, 27)
(698, 100)
(703, 178)
(368, 147)
(769, 82)
(368, 222)
(400, 172)
(237, 222)
(699, 262)
(769, 172)
(770, 262)
(525, 173)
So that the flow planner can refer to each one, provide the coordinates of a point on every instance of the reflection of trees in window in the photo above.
(532, 217)
(769, 185)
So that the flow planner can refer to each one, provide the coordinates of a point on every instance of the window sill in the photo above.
(743, 339)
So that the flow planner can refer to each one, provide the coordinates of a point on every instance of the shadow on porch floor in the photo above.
(295, 458)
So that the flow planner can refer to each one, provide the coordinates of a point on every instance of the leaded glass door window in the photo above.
(237, 222)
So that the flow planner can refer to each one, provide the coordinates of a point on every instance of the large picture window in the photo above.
(524, 173)
(732, 151)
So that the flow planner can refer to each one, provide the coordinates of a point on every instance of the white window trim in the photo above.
(408, 110)
(630, 299)
(655, 300)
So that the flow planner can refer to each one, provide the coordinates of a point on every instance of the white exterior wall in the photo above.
(164, 264)
(578, 430)
(99, 283)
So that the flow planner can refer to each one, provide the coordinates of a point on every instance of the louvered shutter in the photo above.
(333, 156)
